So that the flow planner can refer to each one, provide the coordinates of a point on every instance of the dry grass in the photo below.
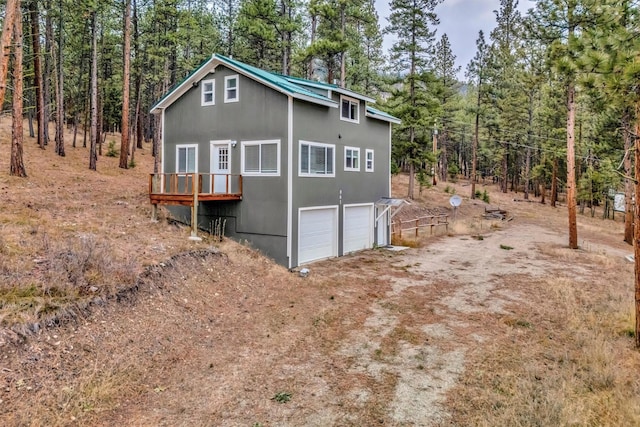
(70, 236)
(566, 360)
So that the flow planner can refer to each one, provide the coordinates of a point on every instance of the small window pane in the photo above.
(269, 157)
(191, 159)
(318, 160)
(345, 109)
(329, 160)
(186, 159)
(182, 160)
(231, 83)
(304, 158)
(353, 112)
(252, 158)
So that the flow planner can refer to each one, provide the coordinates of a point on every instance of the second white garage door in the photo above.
(317, 234)
(358, 228)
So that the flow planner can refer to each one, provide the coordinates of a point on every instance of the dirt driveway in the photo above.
(378, 338)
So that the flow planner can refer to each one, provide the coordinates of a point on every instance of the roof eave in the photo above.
(327, 103)
(333, 88)
(383, 118)
(176, 93)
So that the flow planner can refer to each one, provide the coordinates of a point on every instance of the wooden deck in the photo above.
(179, 189)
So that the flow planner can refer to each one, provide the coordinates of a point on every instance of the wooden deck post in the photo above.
(194, 208)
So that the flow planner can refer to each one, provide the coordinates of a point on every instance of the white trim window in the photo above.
(316, 159)
(231, 88)
(208, 91)
(351, 159)
(260, 158)
(186, 158)
(368, 165)
(349, 108)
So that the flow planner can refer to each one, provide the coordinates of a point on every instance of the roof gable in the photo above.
(291, 86)
(272, 80)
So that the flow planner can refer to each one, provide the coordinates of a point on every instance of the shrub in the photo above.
(453, 171)
(111, 151)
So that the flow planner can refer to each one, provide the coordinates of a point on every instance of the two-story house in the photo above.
(299, 169)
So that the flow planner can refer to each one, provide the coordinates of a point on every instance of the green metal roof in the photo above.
(382, 115)
(273, 78)
(293, 86)
(328, 86)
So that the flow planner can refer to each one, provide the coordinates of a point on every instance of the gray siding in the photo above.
(260, 114)
(321, 124)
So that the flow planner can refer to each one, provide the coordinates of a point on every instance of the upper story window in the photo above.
(231, 89)
(351, 159)
(187, 158)
(261, 158)
(368, 160)
(208, 92)
(349, 108)
(316, 159)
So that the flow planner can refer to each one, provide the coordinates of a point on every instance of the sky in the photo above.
(461, 20)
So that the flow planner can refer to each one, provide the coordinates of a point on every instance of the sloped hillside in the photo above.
(109, 319)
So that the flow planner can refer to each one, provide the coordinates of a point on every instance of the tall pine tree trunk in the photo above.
(474, 151)
(60, 121)
(343, 54)
(628, 186)
(126, 75)
(48, 68)
(314, 24)
(636, 246)
(17, 162)
(527, 162)
(554, 182)
(571, 166)
(412, 170)
(157, 135)
(11, 14)
(505, 170)
(37, 70)
(93, 134)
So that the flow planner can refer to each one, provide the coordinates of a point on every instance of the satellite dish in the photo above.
(455, 201)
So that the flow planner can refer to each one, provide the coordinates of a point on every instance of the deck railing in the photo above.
(210, 185)
(189, 189)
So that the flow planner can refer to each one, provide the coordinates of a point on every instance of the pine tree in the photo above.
(411, 22)
(446, 71)
(476, 71)
(507, 97)
(17, 163)
(12, 12)
(364, 56)
(560, 23)
(126, 76)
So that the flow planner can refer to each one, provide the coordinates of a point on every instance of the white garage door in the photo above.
(358, 228)
(317, 234)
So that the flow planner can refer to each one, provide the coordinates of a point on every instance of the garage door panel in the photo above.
(317, 234)
(358, 228)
